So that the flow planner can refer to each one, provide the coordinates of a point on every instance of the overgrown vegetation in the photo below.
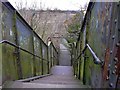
(73, 27)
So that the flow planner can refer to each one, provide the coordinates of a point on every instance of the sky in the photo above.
(52, 4)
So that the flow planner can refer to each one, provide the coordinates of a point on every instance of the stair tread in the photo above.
(43, 85)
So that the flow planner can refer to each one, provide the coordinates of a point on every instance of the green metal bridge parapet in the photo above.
(99, 41)
(23, 54)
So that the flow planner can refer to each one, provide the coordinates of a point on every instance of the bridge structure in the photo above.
(94, 61)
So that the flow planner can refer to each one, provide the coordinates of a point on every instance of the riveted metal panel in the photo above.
(102, 34)
(114, 46)
(117, 66)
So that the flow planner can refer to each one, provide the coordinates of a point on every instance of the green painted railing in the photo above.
(98, 41)
(23, 54)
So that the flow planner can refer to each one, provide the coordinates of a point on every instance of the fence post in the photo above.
(17, 50)
(41, 57)
(48, 59)
(0, 44)
(34, 67)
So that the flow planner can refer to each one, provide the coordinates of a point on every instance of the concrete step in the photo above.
(67, 80)
(62, 70)
(42, 85)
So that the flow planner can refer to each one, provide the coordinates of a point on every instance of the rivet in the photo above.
(113, 37)
(115, 20)
(118, 44)
(115, 66)
(110, 52)
(116, 59)
(107, 78)
(113, 72)
(102, 60)
(111, 84)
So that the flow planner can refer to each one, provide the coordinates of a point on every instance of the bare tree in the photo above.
(34, 16)
(73, 26)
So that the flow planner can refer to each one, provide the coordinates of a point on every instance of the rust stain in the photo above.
(105, 68)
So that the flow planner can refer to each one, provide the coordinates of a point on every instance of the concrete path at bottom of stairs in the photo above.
(62, 77)
(64, 56)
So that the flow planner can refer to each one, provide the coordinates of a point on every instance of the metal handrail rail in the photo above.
(12, 44)
(96, 61)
